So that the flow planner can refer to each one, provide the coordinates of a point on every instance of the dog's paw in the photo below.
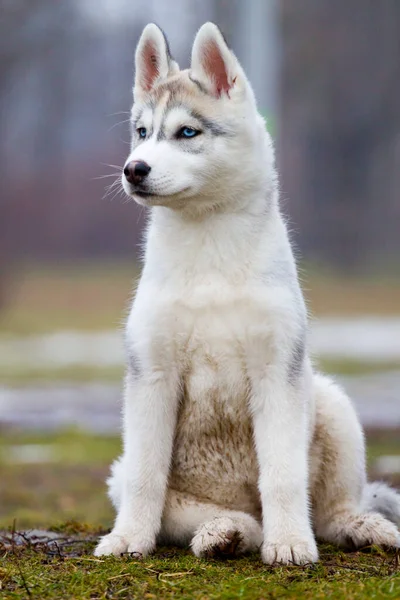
(115, 544)
(218, 538)
(369, 529)
(289, 552)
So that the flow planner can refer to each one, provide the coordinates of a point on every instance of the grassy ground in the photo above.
(70, 571)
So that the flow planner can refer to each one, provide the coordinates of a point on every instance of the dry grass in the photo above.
(91, 297)
(340, 295)
(86, 297)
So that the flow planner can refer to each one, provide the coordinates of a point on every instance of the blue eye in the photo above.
(142, 131)
(188, 132)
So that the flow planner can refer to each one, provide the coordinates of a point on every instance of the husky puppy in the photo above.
(231, 441)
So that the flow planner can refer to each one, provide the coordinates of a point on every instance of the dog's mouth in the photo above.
(143, 193)
(147, 194)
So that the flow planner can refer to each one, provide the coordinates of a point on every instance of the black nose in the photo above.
(136, 171)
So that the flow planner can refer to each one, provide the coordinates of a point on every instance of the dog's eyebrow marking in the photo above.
(207, 124)
(136, 118)
(162, 105)
(199, 85)
(135, 140)
(139, 113)
(210, 125)
(161, 134)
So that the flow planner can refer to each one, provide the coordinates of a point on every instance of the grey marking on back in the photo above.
(133, 369)
(132, 362)
(281, 272)
(295, 365)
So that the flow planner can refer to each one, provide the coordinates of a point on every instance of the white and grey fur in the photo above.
(231, 441)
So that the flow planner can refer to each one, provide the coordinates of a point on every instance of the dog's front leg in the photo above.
(281, 437)
(149, 420)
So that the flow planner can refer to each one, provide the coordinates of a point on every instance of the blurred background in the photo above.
(327, 78)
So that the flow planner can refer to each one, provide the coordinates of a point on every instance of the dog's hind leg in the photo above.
(338, 475)
(211, 530)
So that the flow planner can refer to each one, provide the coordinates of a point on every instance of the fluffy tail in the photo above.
(379, 497)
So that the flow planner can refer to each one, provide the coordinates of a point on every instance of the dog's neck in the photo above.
(224, 243)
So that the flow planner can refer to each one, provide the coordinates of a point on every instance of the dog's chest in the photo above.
(214, 439)
(212, 352)
(215, 389)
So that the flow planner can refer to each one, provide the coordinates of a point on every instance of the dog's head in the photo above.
(197, 139)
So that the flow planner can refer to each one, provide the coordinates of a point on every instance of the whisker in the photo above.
(112, 166)
(110, 196)
(116, 124)
(115, 182)
(109, 192)
(105, 176)
(119, 193)
(121, 112)
(114, 186)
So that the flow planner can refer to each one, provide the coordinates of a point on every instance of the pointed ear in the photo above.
(153, 61)
(213, 63)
